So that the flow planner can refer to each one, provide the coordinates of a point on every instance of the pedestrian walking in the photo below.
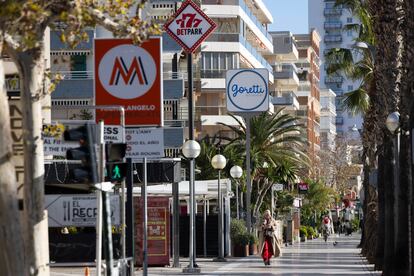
(269, 244)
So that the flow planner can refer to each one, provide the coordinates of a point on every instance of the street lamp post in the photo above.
(191, 149)
(236, 172)
(219, 162)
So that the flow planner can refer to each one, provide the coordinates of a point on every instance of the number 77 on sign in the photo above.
(190, 26)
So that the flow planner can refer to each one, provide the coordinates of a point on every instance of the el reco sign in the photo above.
(247, 90)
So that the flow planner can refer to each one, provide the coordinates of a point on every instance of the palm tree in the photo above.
(276, 142)
(379, 25)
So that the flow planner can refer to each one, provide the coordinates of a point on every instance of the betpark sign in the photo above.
(247, 90)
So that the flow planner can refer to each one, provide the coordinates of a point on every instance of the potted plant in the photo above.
(303, 233)
(240, 238)
(253, 241)
(311, 233)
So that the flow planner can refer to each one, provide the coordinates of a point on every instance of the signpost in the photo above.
(190, 26)
(130, 76)
(247, 93)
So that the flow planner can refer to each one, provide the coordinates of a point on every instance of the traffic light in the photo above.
(116, 168)
(86, 173)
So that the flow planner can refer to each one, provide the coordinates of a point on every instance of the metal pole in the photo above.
(237, 200)
(248, 181)
(99, 201)
(191, 124)
(205, 227)
(145, 240)
(176, 225)
(191, 247)
(396, 182)
(220, 220)
(108, 234)
(227, 221)
(273, 201)
(129, 233)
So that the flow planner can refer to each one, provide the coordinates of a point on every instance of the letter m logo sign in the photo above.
(135, 71)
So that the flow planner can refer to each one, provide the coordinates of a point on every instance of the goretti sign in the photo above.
(190, 26)
(130, 76)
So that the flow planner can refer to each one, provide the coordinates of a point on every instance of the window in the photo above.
(349, 33)
(350, 87)
(349, 20)
(287, 40)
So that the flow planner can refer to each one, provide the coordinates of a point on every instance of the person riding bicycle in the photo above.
(326, 227)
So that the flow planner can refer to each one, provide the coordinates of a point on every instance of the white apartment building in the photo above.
(241, 40)
(328, 114)
(329, 22)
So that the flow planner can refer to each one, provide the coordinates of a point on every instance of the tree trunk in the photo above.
(379, 256)
(11, 254)
(31, 67)
(407, 113)
(389, 208)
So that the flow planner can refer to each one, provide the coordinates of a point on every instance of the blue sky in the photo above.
(289, 15)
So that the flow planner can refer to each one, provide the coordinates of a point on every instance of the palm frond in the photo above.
(356, 101)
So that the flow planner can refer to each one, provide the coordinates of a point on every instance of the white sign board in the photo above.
(144, 142)
(277, 187)
(77, 210)
(247, 90)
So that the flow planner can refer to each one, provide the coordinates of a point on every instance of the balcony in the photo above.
(245, 8)
(332, 12)
(173, 137)
(288, 99)
(57, 45)
(174, 114)
(74, 85)
(333, 38)
(339, 120)
(333, 25)
(236, 37)
(213, 74)
(286, 74)
(328, 107)
(337, 79)
(173, 85)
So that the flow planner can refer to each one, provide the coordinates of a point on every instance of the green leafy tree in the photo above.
(23, 24)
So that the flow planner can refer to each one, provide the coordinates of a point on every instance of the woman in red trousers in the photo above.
(269, 245)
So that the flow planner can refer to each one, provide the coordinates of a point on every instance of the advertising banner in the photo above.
(130, 76)
(77, 210)
(158, 230)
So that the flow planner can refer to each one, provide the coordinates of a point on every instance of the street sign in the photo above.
(247, 90)
(77, 210)
(55, 145)
(190, 26)
(277, 187)
(144, 142)
(130, 76)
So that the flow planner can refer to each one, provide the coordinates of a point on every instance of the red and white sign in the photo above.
(129, 76)
(190, 26)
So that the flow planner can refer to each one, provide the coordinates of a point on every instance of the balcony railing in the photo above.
(332, 11)
(332, 25)
(245, 8)
(236, 37)
(213, 74)
(75, 75)
(333, 38)
(338, 79)
(339, 120)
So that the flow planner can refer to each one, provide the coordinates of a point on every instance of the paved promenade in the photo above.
(310, 258)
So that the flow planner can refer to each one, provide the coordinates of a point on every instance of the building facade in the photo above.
(241, 40)
(328, 115)
(308, 90)
(329, 21)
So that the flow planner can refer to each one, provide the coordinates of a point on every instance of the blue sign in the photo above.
(247, 90)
